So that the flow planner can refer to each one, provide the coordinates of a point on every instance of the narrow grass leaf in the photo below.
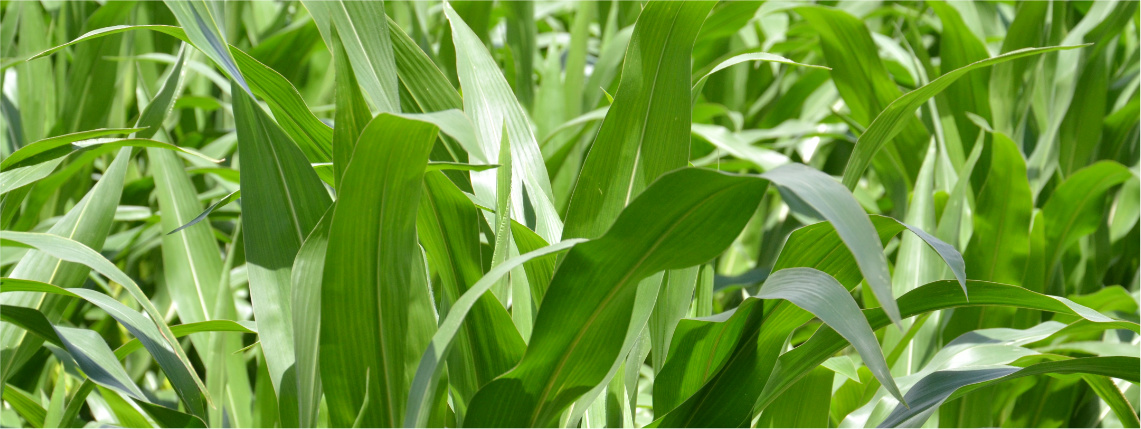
(823, 296)
(825, 197)
(594, 291)
(283, 200)
(489, 101)
(385, 284)
(893, 118)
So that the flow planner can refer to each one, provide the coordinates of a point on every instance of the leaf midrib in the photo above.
(610, 295)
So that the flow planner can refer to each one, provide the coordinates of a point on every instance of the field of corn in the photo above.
(569, 214)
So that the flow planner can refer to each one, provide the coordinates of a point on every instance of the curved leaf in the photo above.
(430, 364)
(594, 291)
(802, 185)
(154, 332)
(823, 296)
(889, 122)
(930, 392)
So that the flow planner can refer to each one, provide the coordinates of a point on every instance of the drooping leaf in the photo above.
(89, 223)
(823, 296)
(933, 390)
(826, 198)
(154, 332)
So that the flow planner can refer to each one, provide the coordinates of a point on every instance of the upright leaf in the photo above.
(646, 131)
(363, 30)
(283, 199)
(352, 112)
(374, 273)
(489, 101)
(203, 23)
(896, 115)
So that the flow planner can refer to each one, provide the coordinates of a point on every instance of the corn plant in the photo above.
(569, 214)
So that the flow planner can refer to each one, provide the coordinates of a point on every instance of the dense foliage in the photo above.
(573, 214)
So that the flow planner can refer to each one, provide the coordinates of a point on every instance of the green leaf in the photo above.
(37, 154)
(894, 117)
(1076, 208)
(429, 89)
(863, 82)
(488, 100)
(153, 115)
(30, 320)
(20, 401)
(229, 198)
(88, 222)
(699, 349)
(1000, 243)
(827, 299)
(521, 35)
(699, 83)
(502, 225)
(308, 271)
(363, 30)
(311, 135)
(385, 284)
(673, 304)
(488, 344)
(31, 150)
(154, 332)
(173, 31)
(98, 362)
(284, 199)
(958, 48)
(802, 185)
(933, 390)
(805, 404)
(352, 113)
(594, 292)
(438, 349)
(200, 20)
(185, 329)
(192, 265)
(89, 357)
(931, 297)
(646, 130)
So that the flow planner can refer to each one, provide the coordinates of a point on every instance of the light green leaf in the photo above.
(824, 197)
(363, 30)
(489, 101)
(893, 118)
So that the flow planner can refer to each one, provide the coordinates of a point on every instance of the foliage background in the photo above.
(283, 214)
